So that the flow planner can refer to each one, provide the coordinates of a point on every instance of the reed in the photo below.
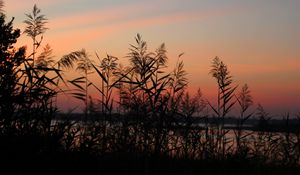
(146, 121)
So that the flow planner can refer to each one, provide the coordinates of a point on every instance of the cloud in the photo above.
(17, 6)
(270, 68)
(96, 25)
(88, 19)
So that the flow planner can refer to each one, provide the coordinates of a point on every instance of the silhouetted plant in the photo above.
(35, 26)
(45, 59)
(245, 101)
(68, 61)
(289, 146)
(190, 111)
(107, 71)
(83, 64)
(108, 67)
(160, 122)
(178, 85)
(148, 85)
(225, 100)
(263, 141)
(263, 116)
(26, 97)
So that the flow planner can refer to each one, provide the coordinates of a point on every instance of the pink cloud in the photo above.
(25, 6)
(87, 19)
(97, 32)
(277, 67)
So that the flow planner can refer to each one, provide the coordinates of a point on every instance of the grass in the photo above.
(144, 121)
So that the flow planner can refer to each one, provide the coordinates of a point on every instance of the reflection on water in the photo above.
(197, 141)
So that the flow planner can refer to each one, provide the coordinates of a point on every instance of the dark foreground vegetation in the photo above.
(143, 121)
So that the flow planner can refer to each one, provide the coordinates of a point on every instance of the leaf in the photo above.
(180, 54)
(89, 84)
(213, 108)
(247, 117)
(59, 75)
(79, 98)
(78, 94)
(229, 107)
(100, 74)
(77, 85)
(79, 80)
(99, 90)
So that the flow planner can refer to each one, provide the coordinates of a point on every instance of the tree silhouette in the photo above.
(10, 60)
(35, 26)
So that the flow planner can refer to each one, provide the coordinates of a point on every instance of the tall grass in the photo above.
(145, 118)
(35, 26)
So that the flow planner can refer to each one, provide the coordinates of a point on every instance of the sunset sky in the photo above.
(259, 40)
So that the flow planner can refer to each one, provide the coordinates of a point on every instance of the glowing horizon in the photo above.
(257, 40)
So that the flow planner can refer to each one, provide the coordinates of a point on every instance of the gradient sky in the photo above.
(259, 40)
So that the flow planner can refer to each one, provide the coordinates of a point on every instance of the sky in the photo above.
(258, 40)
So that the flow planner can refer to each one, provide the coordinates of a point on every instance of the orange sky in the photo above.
(258, 40)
